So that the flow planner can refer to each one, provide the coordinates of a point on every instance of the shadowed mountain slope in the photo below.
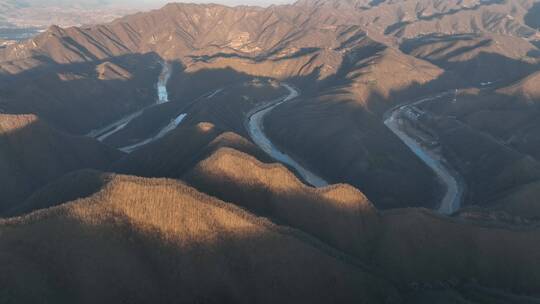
(174, 155)
(405, 19)
(159, 240)
(340, 133)
(422, 252)
(112, 238)
(415, 246)
(491, 136)
(191, 33)
(70, 187)
(225, 105)
(73, 96)
(340, 215)
(325, 48)
(479, 59)
(433, 248)
(33, 154)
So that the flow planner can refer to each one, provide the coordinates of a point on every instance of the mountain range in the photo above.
(202, 153)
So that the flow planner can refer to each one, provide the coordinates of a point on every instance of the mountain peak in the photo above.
(55, 29)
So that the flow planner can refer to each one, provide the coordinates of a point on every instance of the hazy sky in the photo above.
(226, 2)
(241, 2)
(152, 3)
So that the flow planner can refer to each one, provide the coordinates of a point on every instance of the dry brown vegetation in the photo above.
(413, 246)
(493, 142)
(397, 19)
(228, 109)
(178, 152)
(142, 240)
(477, 58)
(347, 144)
(110, 71)
(33, 154)
(339, 215)
(224, 101)
(72, 96)
(418, 245)
(527, 91)
(522, 201)
(70, 187)
(331, 49)
(135, 240)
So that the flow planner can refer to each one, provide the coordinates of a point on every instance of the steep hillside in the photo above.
(224, 105)
(203, 40)
(518, 106)
(406, 19)
(340, 132)
(490, 167)
(433, 249)
(73, 96)
(422, 250)
(478, 58)
(339, 215)
(328, 49)
(190, 33)
(527, 89)
(521, 104)
(327, 75)
(70, 187)
(33, 154)
(174, 155)
(521, 201)
(515, 105)
(159, 240)
(491, 137)
(482, 40)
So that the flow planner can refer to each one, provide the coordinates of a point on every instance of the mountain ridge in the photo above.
(198, 212)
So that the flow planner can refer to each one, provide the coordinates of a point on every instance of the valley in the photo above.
(402, 121)
(162, 97)
(255, 127)
(311, 152)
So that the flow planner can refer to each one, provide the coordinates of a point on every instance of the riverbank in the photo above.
(255, 126)
(453, 197)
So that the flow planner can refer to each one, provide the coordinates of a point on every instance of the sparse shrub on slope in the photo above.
(339, 215)
(33, 154)
(416, 247)
(183, 148)
(147, 241)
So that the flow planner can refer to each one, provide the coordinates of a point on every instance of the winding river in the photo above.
(162, 97)
(255, 128)
(163, 94)
(453, 197)
(451, 202)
